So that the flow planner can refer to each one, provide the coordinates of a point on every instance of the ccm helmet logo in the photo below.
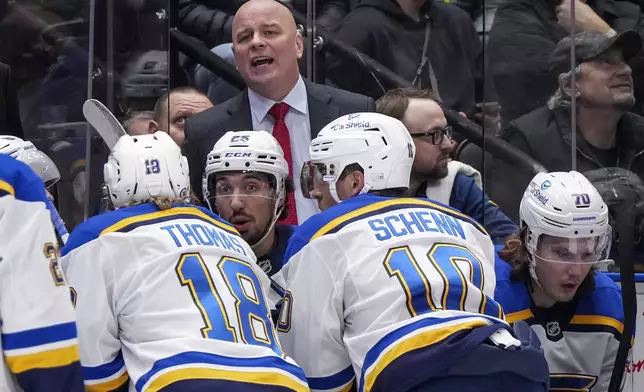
(238, 139)
(237, 154)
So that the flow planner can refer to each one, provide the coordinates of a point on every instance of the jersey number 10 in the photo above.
(443, 260)
(243, 285)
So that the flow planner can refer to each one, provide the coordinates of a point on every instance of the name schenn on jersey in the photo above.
(405, 223)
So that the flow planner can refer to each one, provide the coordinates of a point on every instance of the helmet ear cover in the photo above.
(144, 167)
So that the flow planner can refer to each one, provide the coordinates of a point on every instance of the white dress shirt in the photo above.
(299, 130)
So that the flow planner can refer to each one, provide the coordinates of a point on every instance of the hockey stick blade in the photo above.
(103, 121)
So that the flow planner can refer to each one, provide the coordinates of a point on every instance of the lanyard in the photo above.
(425, 60)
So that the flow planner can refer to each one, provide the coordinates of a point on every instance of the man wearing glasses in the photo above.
(434, 175)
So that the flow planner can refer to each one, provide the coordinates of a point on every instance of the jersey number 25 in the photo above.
(242, 284)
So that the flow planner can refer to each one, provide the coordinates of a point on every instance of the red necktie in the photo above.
(280, 133)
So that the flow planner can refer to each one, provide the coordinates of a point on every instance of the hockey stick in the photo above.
(59, 224)
(103, 121)
(625, 222)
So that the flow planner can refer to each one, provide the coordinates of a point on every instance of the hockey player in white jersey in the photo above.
(394, 294)
(246, 182)
(39, 345)
(168, 296)
(44, 167)
(550, 281)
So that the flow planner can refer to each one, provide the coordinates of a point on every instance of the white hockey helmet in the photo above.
(565, 205)
(380, 144)
(146, 166)
(246, 151)
(26, 152)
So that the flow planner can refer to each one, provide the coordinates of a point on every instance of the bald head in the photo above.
(267, 46)
(258, 8)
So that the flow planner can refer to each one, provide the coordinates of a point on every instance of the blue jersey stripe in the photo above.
(68, 378)
(332, 382)
(152, 221)
(38, 336)
(400, 333)
(105, 370)
(19, 180)
(194, 357)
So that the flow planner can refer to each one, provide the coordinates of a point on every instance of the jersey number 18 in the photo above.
(243, 285)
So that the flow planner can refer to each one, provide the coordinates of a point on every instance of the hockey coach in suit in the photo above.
(267, 46)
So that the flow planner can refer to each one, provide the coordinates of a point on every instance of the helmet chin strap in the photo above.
(365, 188)
(277, 211)
(532, 264)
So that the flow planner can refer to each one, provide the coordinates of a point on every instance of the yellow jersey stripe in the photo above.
(166, 213)
(108, 385)
(262, 378)
(388, 203)
(420, 340)
(598, 320)
(44, 360)
(518, 316)
(5, 186)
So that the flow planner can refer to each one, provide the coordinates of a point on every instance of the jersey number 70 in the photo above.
(446, 261)
(251, 312)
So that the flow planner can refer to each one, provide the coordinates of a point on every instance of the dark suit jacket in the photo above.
(204, 129)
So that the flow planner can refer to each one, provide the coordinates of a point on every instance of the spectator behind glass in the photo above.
(607, 135)
(140, 123)
(10, 123)
(524, 34)
(328, 13)
(211, 21)
(433, 174)
(267, 47)
(393, 32)
(174, 107)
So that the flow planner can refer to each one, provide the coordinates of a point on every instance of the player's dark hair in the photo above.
(392, 192)
(394, 103)
(288, 184)
(164, 203)
(515, 253)
(350, 168)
